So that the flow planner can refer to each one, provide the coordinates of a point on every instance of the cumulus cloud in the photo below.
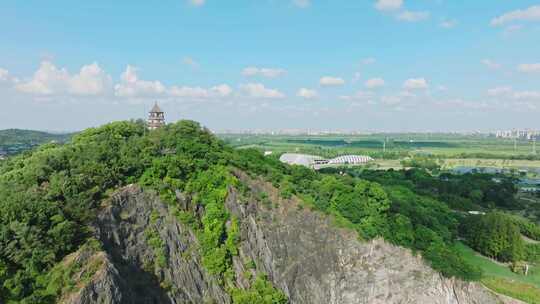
(50, 80)
(197, 2)
(307, 93)
(374, 83)
(388, 5)
(331, 81)
(529, 14)
(264, 72)
(491, 64)
(258, 90)
(448, 23)
(302, 3)
(411, 16)
(131, 86)
(415, 84)
(529, 67)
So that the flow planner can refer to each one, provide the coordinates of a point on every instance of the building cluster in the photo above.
(519, 134)
(317, 162)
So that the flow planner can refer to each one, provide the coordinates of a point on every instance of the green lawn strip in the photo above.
(516, 290)
(501, 279)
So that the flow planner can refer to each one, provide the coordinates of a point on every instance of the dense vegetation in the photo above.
(494, 235)
(48, 198)
(465, 192)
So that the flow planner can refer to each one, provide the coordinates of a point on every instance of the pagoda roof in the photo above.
(156, 109)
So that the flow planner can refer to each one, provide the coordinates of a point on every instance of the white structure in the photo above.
(350, 160)
(302, 159)
(317, 162)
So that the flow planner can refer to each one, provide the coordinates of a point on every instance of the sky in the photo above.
(367, 65)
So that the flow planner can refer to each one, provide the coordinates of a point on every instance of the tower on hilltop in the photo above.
(156, 117)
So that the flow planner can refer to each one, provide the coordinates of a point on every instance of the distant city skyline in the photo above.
(377, 65)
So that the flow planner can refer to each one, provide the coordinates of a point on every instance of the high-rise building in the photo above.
(156, 117)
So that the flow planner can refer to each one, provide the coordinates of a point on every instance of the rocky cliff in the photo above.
(148, 256)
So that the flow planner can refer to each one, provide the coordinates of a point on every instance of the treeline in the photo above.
(472, 191)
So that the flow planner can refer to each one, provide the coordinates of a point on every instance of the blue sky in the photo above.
(388, 65)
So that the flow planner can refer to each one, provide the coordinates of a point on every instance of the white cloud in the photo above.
(91, 80)
(529, 67)
(188, 92)
(258, 90)
(264, 72)
(374, 83)
(307, 93)
(507, 92)
(190, 62)
(219, 91)
(499, 91)
(359, 96)
(197, 2)
(527, 95)
(50, 80)
(331, 81)
(131, 86)
(491, 64)
(368, 60)
(529, 14)
(415, 84)
(442, 88)
(390, 100)
(448, 23)
(4, 75)
(511, 29)
(302, 3)
(410, 16)
(388, 5)
(222, 90)
(356, 77)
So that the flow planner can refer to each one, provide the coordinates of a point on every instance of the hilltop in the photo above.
(122, 215)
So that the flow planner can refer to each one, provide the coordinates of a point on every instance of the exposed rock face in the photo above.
(124, 228)
(302, 253)
(313, 262)
(105, 286)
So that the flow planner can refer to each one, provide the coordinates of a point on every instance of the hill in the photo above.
(122, 215)
(13, 141)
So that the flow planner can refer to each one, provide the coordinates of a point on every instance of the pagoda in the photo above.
(156, 117)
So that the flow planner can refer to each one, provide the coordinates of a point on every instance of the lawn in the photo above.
(500, 279)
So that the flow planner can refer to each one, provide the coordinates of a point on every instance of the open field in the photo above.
(444, 145)
(499, 278)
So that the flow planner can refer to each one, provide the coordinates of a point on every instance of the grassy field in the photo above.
(443, 145)
(499, 278)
